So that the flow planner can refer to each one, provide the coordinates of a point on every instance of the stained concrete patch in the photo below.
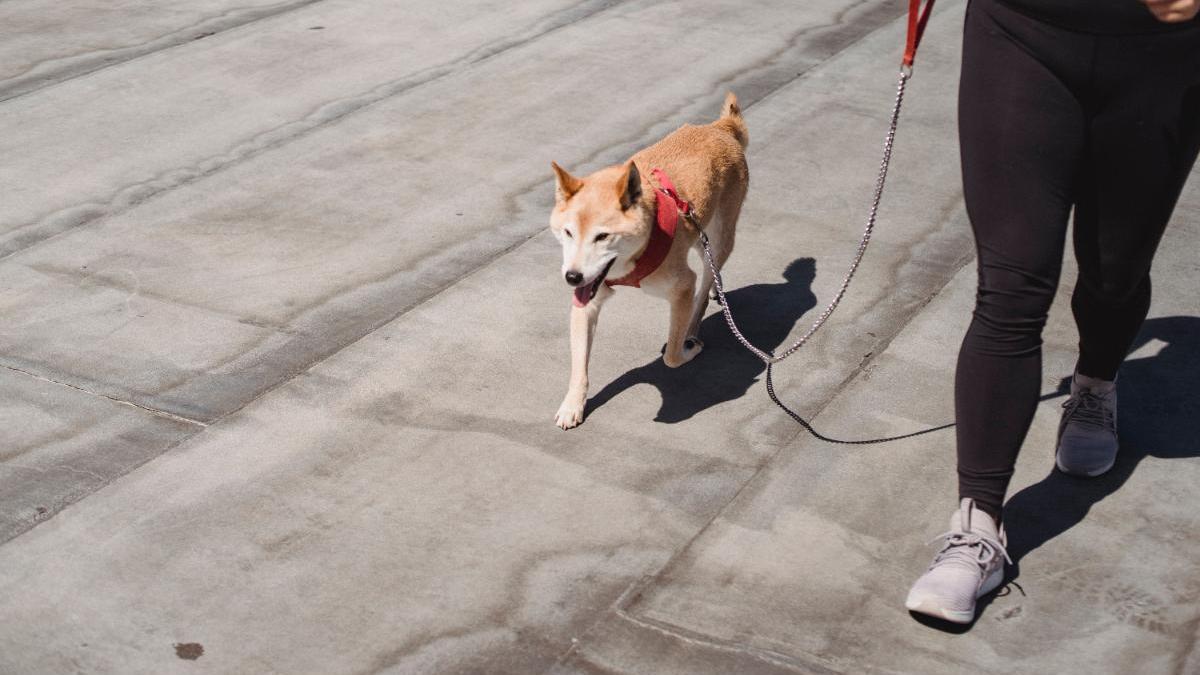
(189, 651)
(139, 129)
(43, 42)
(60, 444)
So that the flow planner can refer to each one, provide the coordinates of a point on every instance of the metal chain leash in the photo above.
(771, 359)
(719, 285)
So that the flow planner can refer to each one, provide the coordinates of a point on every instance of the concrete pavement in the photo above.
(284, 338)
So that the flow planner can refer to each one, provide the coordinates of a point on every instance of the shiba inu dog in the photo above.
(625, 225)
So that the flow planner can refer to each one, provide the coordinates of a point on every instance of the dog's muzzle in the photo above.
(584, 294)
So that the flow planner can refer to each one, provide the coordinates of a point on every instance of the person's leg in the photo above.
(1022, 134)
(1144, 139)
(1144, 134)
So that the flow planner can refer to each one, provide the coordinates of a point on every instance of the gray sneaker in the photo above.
(1087, 434)
(969, 566)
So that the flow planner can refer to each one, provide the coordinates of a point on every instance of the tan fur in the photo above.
(707, 164)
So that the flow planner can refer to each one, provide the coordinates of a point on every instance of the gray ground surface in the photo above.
(284, 337)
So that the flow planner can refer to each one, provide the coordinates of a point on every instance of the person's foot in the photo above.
(969, 566)
(1087, 434)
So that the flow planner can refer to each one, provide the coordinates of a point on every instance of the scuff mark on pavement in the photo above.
(189, 651)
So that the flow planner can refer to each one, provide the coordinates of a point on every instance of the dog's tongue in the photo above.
(583, 294)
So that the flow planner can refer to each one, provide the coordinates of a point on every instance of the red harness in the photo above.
(670, 205)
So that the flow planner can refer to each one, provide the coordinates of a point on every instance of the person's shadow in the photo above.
(1158, 416)
(725, 370)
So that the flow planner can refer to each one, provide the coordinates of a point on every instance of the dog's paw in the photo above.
(569, 415)
(691, 348)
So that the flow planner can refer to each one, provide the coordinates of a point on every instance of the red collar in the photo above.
(669, 205)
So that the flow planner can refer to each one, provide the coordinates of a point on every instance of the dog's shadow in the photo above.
(1159, 416)
(724, 371)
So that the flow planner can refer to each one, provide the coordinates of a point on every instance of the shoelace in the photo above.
(967, 549)
(1088, 408)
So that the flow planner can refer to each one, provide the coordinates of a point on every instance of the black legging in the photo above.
(1049, 119)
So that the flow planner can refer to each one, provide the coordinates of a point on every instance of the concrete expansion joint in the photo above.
(114, 399)
(620, 609)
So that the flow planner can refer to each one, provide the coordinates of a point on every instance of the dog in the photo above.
(630, 224)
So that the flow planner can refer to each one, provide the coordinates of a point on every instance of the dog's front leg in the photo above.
(583, 327)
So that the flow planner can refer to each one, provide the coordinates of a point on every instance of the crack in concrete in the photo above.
(153, 411)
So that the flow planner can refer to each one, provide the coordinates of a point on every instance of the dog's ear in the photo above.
(629, 188)
(566, 185)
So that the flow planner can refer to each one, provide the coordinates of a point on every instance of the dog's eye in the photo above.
(568, 233)
(600, 237)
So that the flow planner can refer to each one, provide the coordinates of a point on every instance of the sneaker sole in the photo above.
(1085, 474)
(929, 607)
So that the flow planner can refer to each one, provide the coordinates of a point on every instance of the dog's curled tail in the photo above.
(731, 120)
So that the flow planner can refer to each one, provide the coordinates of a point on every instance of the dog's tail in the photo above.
(731, 120)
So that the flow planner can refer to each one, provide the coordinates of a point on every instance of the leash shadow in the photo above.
(724, 371)
(1159, 416)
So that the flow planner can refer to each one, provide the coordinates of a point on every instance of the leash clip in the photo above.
(685, 208)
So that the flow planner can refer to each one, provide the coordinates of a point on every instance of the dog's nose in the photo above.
(574, 278)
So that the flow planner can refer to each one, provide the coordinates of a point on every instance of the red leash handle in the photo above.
(917, 18)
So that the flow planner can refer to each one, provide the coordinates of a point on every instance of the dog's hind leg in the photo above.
(682, 345)
(701, 297)
(720, 242)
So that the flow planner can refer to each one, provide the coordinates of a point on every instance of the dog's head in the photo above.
(601, 223)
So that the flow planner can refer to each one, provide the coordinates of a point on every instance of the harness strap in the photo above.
(666, 187)
(669, 206)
